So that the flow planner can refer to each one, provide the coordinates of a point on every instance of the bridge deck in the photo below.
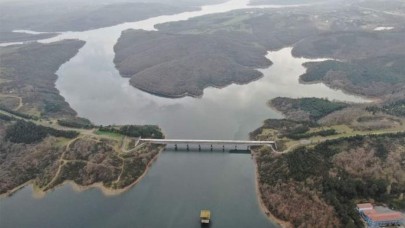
(198, 141)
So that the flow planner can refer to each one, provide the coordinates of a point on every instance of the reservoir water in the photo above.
(179, 184)
(172, 194)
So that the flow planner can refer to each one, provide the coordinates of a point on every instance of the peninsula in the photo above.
(330, 157)
(43, 142)
(177, 65)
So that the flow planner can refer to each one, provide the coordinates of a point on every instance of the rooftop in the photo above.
(364, 205)
(385, 216)
(380, 215)
(370, 212)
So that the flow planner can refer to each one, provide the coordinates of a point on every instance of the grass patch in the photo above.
(109, 134)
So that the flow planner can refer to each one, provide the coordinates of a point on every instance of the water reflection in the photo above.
(94, 88)
(92, 85)
(227, 113)
(176, 188)
(180, 183)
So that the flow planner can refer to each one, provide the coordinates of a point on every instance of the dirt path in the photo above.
(61, 162)
(20, 101)
(122, 170)
(317, 141)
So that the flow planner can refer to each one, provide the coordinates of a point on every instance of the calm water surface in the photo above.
(179, 184)
(176, 188)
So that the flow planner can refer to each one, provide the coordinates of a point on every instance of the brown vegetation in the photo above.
(351, 45)
(88, 161)
(85, 160)
(318, 181)
(176, 65)
(45, 153)
(20, 163)
(28, 72)
(293, 201)
(318, 187)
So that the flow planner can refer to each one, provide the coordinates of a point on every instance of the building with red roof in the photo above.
(364, 206)
(377, 219)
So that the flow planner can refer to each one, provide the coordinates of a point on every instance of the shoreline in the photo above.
(265, 210)
(274, 108)
(187, 94)
(368, 99)
(108, 192)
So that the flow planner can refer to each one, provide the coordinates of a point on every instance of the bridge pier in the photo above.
(211, 143)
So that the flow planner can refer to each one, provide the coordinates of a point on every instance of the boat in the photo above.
(205, 216)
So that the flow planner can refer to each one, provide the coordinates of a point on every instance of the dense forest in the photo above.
(286, 126)
(19, 114)
(362, 72)
(6, 118)
(292, 129)
(311, 108)
(28, 132)
(76, 123)
(304, 135)
(146, 131)
(375, 76)
(396, 108)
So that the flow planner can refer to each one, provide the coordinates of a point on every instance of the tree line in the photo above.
(19, 114)
(145, 131)
(28, 132)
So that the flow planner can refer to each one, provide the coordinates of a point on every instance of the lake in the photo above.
(180, 183)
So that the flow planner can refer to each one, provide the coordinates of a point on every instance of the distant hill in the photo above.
(62, 16)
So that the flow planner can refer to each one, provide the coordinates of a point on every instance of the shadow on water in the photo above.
(177, 187)
(206, 225)
(207, 149)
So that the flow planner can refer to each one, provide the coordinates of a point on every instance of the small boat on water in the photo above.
(205, 216)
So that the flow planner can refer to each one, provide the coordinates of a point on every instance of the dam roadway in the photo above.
(200, 142)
